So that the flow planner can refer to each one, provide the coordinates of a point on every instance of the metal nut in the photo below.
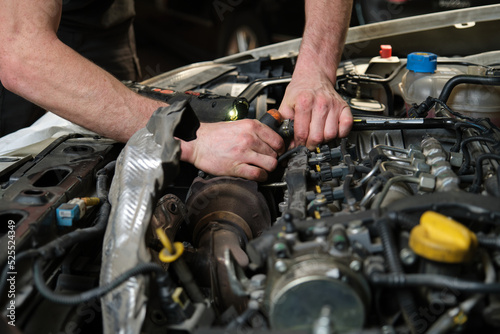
(407, 256)
(422, 167)
(280, 266)
(427, 182)
(456, 159)
(355, 265)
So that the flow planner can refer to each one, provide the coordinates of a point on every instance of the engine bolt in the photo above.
(257, 281)
(407, 256)
(355, 265)
(280, 266)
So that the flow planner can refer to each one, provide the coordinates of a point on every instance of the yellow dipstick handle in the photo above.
(171, 252)
(442, 239)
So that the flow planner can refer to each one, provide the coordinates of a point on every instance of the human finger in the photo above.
(302, 114)
(345, 122)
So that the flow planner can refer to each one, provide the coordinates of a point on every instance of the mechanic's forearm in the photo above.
(324, 34)
(60, 80)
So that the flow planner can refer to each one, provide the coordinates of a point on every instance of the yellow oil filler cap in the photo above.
(442, 239)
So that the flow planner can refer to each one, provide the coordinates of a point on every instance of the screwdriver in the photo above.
(274, 120)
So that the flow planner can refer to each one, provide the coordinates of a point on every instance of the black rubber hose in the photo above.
(389, 246)
(458, 130)
(19, 257)
(466, 79)
(433, 281)
(102, 180)
(98, 292)
(465, 151)
(405, 298)
(349, 198)
(492, 242)
(346, 157)
(362, 169)
(58, 247)
(474, 121)
(479, 170)
(404, 220)
(289, 153)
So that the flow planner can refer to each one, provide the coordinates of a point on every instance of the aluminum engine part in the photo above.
(224, 213)
(299, 289)
(436, 157)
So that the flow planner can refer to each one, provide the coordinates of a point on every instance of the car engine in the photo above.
(394, 229)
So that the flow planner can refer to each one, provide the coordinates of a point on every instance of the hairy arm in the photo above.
(36, 65)
(320, 113)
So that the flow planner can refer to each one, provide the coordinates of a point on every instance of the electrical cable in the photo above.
(479, 170)
(447, 320)
(465, 151)
(98, 292)
(404, 220)
(289, 153)
(19, 258)
(58, 246)
(394, 280)
(457, 114)
(458, 131)
(405, 298)
(489, 241)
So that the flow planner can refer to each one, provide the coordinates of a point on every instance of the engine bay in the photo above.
(394, 229)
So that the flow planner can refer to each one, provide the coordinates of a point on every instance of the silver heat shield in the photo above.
(149, 161)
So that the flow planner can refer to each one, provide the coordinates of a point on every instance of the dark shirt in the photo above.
(97, 15)
(101, 31)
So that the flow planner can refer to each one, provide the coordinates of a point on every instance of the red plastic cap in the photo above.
(385, 51)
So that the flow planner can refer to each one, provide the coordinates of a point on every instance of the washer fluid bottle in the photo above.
(424, 78)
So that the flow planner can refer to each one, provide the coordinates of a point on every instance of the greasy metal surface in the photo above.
(235, 195)
(224, 213)
(296, 183)
(169, 214)
(63, 171)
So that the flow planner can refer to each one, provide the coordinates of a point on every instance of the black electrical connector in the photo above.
(421, 110)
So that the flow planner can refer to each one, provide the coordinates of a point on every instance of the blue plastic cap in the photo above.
(422, 62)
(67, 214)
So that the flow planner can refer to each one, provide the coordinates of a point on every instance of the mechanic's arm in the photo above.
(36, 65)
(320, 113)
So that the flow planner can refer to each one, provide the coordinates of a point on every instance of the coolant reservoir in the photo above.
(424, 78)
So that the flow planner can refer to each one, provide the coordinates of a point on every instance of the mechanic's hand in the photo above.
(319, 112)
(245, 148)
